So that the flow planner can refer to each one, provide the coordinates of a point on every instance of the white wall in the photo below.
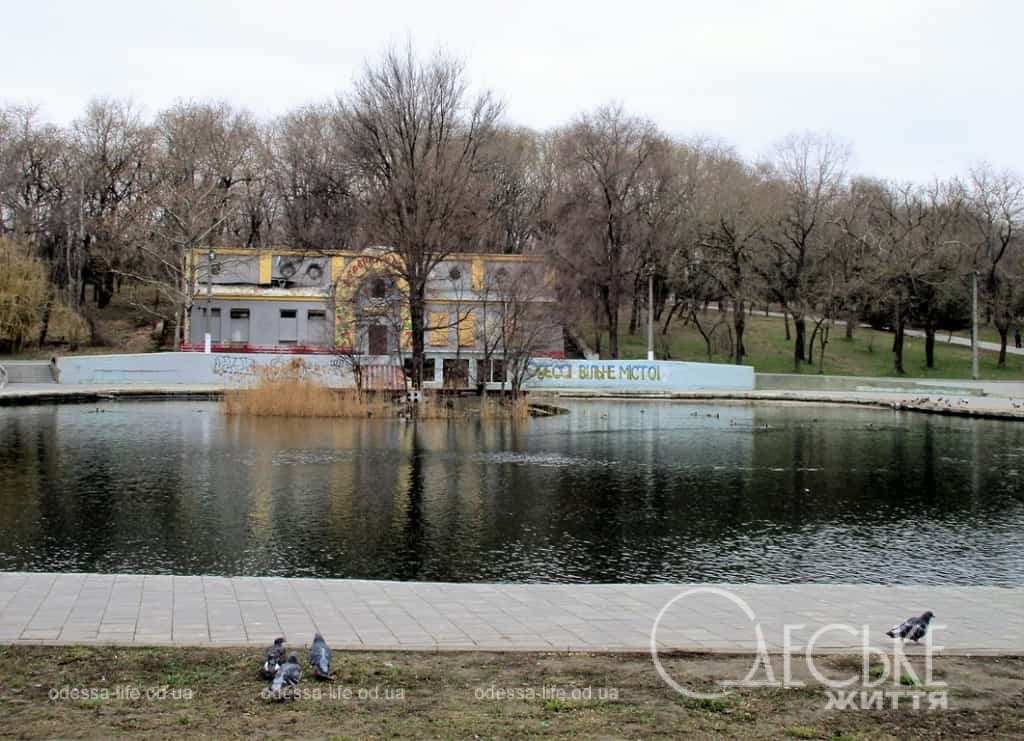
(190, 368)
(639, 375)
(241, 369)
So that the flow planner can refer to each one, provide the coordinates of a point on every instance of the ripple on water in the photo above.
(603, 494)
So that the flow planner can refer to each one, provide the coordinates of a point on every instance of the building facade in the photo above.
(355, 304)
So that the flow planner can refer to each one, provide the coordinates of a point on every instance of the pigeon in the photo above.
(320, 658)
(273, 659)
(912, 629)
(288, 675)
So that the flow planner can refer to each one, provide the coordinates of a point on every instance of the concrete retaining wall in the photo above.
(801, 382)
(242, 369)
(190, 368)
(638, 375)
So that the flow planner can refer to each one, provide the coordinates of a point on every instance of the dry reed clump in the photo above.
(296, 390)
(499, 408)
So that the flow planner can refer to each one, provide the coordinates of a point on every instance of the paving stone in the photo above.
(160, 610)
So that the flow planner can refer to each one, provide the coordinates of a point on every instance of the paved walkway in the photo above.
(352, 614)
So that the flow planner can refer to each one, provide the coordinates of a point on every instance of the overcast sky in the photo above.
(921, 88)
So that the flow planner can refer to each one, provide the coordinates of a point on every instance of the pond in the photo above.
(612, 492)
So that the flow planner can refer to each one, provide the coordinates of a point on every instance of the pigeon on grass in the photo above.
(273, 659)
(288, 676)
(320, 658)
(912, 629)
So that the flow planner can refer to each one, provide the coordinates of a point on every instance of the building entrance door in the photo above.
(377, 335)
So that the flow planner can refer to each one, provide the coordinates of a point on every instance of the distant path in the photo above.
(961, 341)
(966, 342)
(355, 614)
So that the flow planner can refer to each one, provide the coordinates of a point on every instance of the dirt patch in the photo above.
(108, 692)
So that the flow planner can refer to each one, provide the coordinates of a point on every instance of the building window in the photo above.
(456, 373)
(429, 369)
(490, 372)
(379, 289)
(239, 325)
(455, 273)
(212, 326)
(439, 328)
(316, 327)
(288, 332)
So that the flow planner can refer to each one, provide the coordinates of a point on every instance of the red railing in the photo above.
(268, 349)
(383, 378)
(304, 349)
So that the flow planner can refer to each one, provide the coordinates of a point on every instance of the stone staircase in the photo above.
(26, 371)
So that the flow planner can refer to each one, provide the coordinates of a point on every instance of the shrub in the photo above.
(67, 325)
(24, 288)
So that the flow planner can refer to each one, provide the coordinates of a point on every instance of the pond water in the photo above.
(612, 492)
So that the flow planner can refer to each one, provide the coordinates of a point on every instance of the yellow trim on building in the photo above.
(266, 268)
(467, 331)
(257, 297)
(439, 333)
(337, 268)
(478, 274)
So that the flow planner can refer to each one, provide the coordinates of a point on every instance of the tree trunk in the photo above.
(46, 318)
(824, 343)
(810, 344)
(706, 335)
(785, 320)
(660, 298)
(739, 324)
(929, 345)
(851, 323)
(416, 319)
(671, 311)
(634, 309)
(104, 289)
(611, 310)
(800, 343)
(1004, 330)
(897, 347)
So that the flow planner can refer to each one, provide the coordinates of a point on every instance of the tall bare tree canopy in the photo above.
(420, 145)
(411, 160)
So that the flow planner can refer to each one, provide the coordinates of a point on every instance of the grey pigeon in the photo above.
(273, 659)
(320, 658)
(288, 675)
(912, 629)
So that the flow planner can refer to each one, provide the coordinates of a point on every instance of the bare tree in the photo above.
(606, 178)
(418, 145)
(114, 149)
(808, 172)
(202, 151)
(311, 183)
(994, 216)
(733, 219)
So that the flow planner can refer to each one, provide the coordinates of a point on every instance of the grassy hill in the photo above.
(869, 353)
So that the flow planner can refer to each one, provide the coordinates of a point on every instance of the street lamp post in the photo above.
(207, 339)
(650, 315)
(974, 324)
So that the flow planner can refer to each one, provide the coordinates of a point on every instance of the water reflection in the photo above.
(612, 492)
